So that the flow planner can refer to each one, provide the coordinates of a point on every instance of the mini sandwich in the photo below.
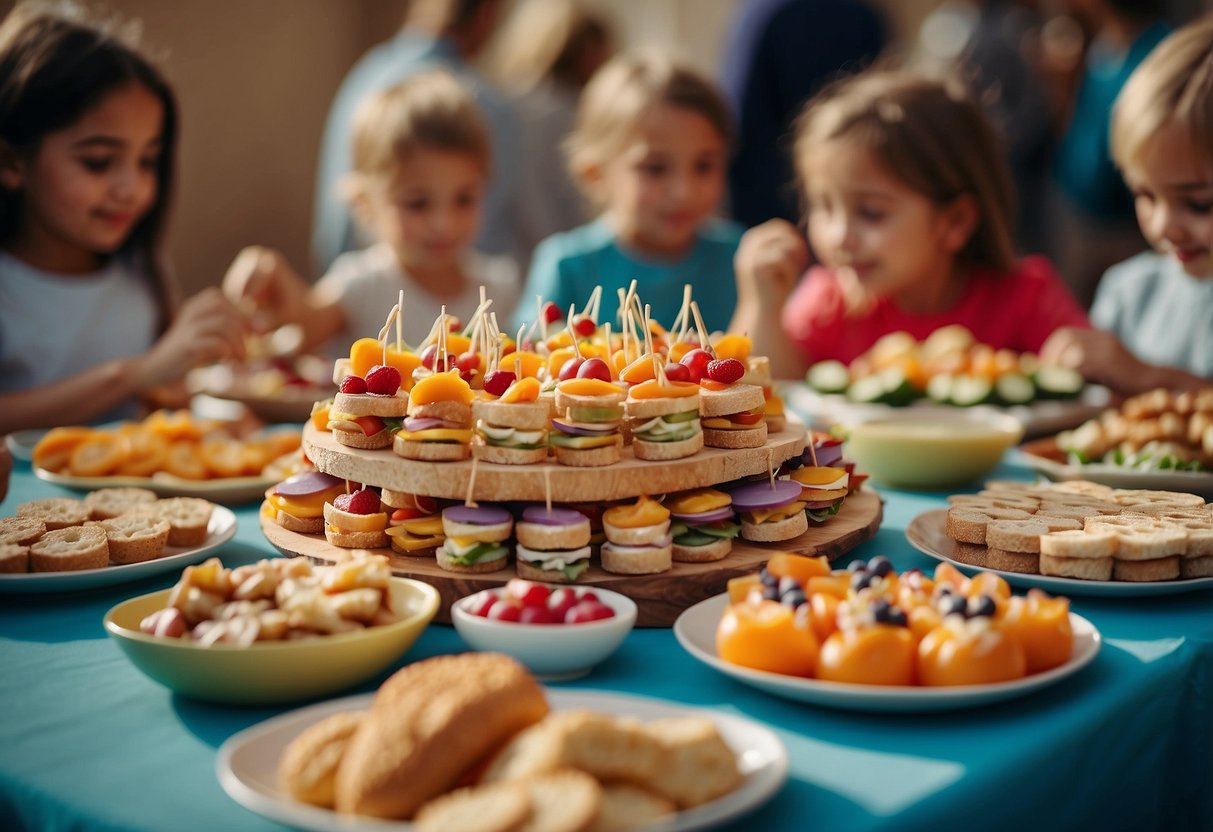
(552, 545)
(474, 538)
(638, 538)
(414, 523)
(770, 512)
(824, 489)
(356, 521)
(703, 525)
(513, 430)
(758, 373)
(664, 419)
(439, 426)
(586, 433)
(297, 503)
(731, 412)
(366, 412)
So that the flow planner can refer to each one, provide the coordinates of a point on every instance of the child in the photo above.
(87, 138)
(909, 205)
(420, 166)
(649, 150)
(1155, 311)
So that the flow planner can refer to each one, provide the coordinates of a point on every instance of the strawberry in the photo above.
(363, 501)
(353, 385)
(725, 370)
(383, 381)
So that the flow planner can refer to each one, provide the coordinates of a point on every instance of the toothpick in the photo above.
(467, 500)
(702, 329)
(648, 332)
(591, 307)
(813, 449)
(568, 325)
(399, 323)
(770, 466)
(541, 318)
(606, 330)
(442, 333)
(547, 489)
(387, 327)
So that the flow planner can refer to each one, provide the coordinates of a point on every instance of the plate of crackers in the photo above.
(1077, 538)
(112, 536)
(546, 759)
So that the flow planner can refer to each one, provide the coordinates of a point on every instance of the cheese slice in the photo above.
(425, 526)
(764, 515)
(438, 435)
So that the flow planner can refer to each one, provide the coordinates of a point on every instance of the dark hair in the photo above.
(55, 65)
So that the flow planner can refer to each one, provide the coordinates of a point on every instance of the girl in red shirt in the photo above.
(908, 210)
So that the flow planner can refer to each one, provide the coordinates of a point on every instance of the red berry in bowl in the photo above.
(528, 593)
(353, 385)
(537, 614)
(725, 370)
(498, 381)
(697, 361)
(505, 610)
(383, 381)
(551, 312)
(587, 611)
(561, 601)
(481, 605)
(362, 501)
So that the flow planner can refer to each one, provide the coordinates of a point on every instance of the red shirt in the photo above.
(1015, 311)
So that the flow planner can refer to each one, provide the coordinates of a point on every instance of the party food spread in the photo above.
(1155, 431)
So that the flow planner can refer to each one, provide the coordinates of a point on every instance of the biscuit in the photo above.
(70, 549)
(698, 764)
(1015, 535)
(309, 764)
(21, 530)
(563, 801)
(1057, 524)
(967, 525)
(1087, 569)
(970, 553)
(1094, 544)
(1150, 544)
(105, 503)
(55, 512)
(14, 559)
(188, 518)
(1071, 511)
(428, 724)
(1027, 563)
(494, 807)
(626, 807)
(134, 539)
(1158, 569)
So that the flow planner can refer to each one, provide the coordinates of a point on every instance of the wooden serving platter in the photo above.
(500, 483)
(661, 598)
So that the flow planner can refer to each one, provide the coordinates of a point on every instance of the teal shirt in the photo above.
(567, 266)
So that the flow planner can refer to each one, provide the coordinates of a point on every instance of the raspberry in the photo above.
(353, 385)
(363, 501)
(725, 370)
(383, 381)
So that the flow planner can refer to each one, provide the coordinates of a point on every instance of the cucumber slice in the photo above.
(829, 377)
(968, 391)
(1058, 383)
(898, 391)
(686, 416)
(596, 414)
(1014, 389)
(939, 388)
(867, 390)
(694, 537)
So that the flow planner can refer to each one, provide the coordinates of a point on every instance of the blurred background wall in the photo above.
(255, 78)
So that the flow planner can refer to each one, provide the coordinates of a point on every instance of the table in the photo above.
(87, 742)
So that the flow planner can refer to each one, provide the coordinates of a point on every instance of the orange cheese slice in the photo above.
(437, 435)
(699, 501)
(773, 515)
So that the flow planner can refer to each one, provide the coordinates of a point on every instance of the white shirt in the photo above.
(53, 326)
(366, 283)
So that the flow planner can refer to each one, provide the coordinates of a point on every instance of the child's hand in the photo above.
(264, 286)
(1095, 353)
(769, 261)
(208, 328)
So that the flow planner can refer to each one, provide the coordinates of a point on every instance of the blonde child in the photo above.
(1154, 312)
(420, 166)
(87, 139)
(908, 207)
(649, 151)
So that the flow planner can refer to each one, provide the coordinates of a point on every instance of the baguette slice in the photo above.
(70, 549)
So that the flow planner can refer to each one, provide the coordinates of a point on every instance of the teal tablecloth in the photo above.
(87, 742)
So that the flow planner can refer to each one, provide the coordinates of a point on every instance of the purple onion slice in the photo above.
(423, 423)
(760, 495)
(557, 517)
(476, 515)
(826, 456)
(310, 482)
(714, 516)
(579, 431)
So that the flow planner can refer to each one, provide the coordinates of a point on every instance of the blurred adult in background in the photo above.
(993, 44)
(544, 56)
(436, 34)
(779, 54)
(1095, 222)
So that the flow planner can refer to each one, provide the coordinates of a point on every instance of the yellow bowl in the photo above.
(936, 451)
(272, 671)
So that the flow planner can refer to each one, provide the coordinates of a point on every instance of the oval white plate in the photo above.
(21, 443)
(926, 534)
(1119, 476)
(247, 764)
(221, 529)
(696, 632)
(225, 490)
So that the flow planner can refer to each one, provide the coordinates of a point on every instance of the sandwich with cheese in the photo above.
(585, 433)
(552, 545)
(664, 419)
(638, 538)
(297, 503)
(824, 489)
(703, 525)
(414, 523)
(770, 511)
(513, 430)
(366, 412)
(475, 538)
(439, 424)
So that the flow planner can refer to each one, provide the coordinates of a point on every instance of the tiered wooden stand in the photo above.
(660, 598)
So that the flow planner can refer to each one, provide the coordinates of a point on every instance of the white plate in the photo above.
(21, 443)
(247, 765)
(927, 534)
(1119, 476)
(291, 403)
(221, 529)
(223, 490)
(696, 632)
(1046, 416)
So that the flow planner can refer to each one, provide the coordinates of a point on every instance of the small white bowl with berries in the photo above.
(559, 631)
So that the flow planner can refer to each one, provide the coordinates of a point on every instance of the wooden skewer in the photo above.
(547, 489)
(591, 307)
(387, 327)
(442, 333)
(467, 500)
(702, 329)
(568, 325)
(770, 466)
(399, 323)
(606, 331)
(812, 449)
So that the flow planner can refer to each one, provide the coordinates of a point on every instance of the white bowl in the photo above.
(552, 652)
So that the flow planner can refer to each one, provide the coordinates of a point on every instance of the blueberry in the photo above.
(886, 613)
(952, 605)
(767, 578)
(857, 566)
(982, 605)
(770, 593)
(880, 607)
(898, 618)
(943, 590)
(793, 599)
(861, 580)
(788, 584)
(880, 565)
